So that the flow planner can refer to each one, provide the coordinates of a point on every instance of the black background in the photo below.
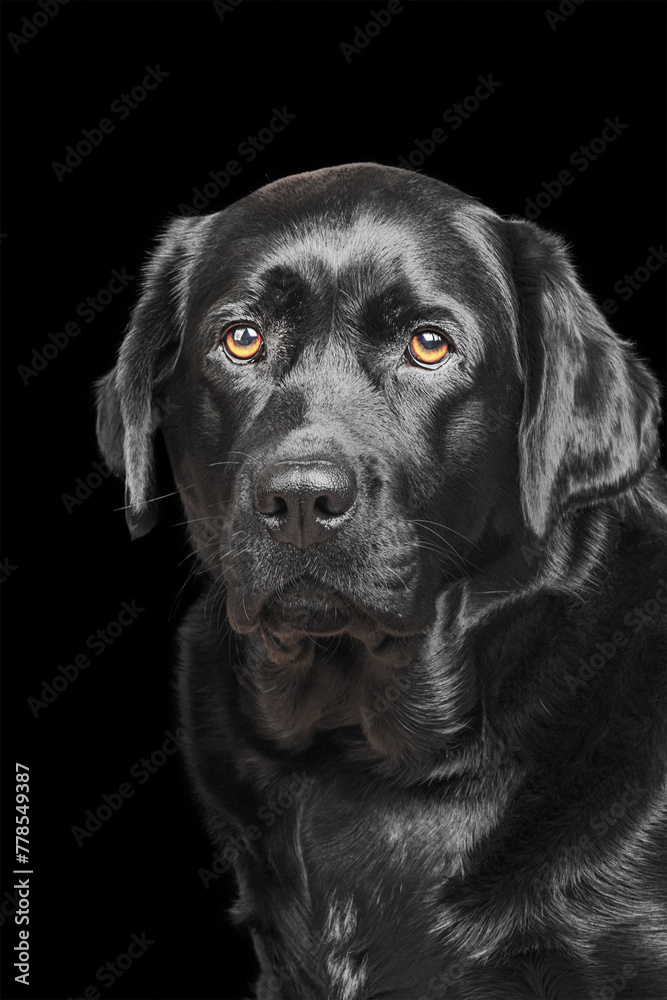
(66, 573)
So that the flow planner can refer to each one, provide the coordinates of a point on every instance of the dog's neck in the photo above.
(418, 707)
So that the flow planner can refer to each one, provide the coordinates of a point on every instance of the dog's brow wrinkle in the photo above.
(338, 244)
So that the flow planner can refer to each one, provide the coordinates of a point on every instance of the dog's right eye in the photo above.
(242, 343)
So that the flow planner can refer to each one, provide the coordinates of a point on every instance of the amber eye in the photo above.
(242, 343)
(429, 349)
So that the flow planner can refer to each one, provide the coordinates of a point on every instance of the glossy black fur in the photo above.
(432, 745)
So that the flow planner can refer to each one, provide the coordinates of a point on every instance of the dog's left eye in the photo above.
(242, 343)
(428, 348)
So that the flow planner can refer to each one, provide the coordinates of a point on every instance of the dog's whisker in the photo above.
(192, 573)
(194, 520)
(445, 527)
(430, 547)
(447, 557)
(156, 499)
(444, 553)
(464, 563)
(438, 535)
(189, 555)
(398, 577)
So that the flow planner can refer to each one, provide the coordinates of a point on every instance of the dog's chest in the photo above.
(360, 879)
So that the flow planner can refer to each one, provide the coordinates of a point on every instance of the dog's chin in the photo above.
(313, 611)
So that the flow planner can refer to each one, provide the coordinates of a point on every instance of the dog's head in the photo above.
(370, 386)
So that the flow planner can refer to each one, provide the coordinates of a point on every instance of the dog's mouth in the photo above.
(313, 610)
(299, 622)
(309, 608)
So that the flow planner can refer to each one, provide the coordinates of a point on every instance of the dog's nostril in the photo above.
(323, 506)
(335, 502)
(304, 497)
(274, 505)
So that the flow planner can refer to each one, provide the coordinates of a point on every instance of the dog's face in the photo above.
(370, 386)
(342, 364)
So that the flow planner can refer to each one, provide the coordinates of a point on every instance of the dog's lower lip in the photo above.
(309, 609)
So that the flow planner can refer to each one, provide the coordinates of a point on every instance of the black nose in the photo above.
(300, 501)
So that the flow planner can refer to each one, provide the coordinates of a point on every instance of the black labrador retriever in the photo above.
(423, 688)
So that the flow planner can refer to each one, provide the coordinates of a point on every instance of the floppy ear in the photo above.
(589, 428)
(125, 425)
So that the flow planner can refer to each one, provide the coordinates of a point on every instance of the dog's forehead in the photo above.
(419, 229)
(338, 248)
